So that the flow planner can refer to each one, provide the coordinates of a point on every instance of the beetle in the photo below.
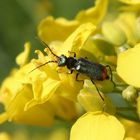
(94, 71)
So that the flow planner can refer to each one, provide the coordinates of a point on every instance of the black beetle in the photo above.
(94, 71)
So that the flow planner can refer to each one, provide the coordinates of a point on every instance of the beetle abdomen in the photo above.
(89, 69)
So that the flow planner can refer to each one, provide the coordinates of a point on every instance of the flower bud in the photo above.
(91, 101)
(113, 33)
(130, 94)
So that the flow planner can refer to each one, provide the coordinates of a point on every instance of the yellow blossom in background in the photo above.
(129, 138)
(128, 22)
(4, 136)
(59, 29)
(128, 66)
(132, 129)
(15, 94)
(130, 1)
(60, 133)
(113, 33)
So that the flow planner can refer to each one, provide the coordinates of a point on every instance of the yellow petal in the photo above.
(49, 87)
(4, 136)
(69, 87)
(51, 29)
(127, 22)
(3, 117)
(59, 134)
(48, 70)
(138, 106)
(128, 66)
(10, 87)
(93, 14)
(77, 39)
(64, 108)
(130, 1)
(91, 101)
(129, 138)
(40, 115)
(47, 90)
(132, 129)
(113, 33)
(97, 126)
(22, 58)
(37, 115)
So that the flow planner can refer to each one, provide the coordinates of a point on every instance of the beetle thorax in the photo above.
(71, 61)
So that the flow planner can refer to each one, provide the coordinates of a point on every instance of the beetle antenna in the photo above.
(111, 78)
(46, 45)
(43, 65)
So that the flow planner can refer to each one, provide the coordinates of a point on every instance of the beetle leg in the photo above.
(97, 89)
(70, 72)
(78, 79)
(74, 54)
(111, 75)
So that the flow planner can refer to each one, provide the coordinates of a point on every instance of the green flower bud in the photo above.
(130, 94)
(104, 46)
(113, 33)
(91, 101)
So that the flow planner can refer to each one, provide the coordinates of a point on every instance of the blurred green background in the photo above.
(18, 24)
(19, 20)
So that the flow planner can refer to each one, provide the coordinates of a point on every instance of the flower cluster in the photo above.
(102, 34)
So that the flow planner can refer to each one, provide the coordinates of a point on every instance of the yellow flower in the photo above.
(16, 93)
(128, 22)
(37, 97)
(4, 136)
(36, 93)
(97, 126)
(51, 29)
(128, 66)
(113, 33)
(132, 129)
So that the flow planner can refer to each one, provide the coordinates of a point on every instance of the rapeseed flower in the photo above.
(50, 29)
(37, 94)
